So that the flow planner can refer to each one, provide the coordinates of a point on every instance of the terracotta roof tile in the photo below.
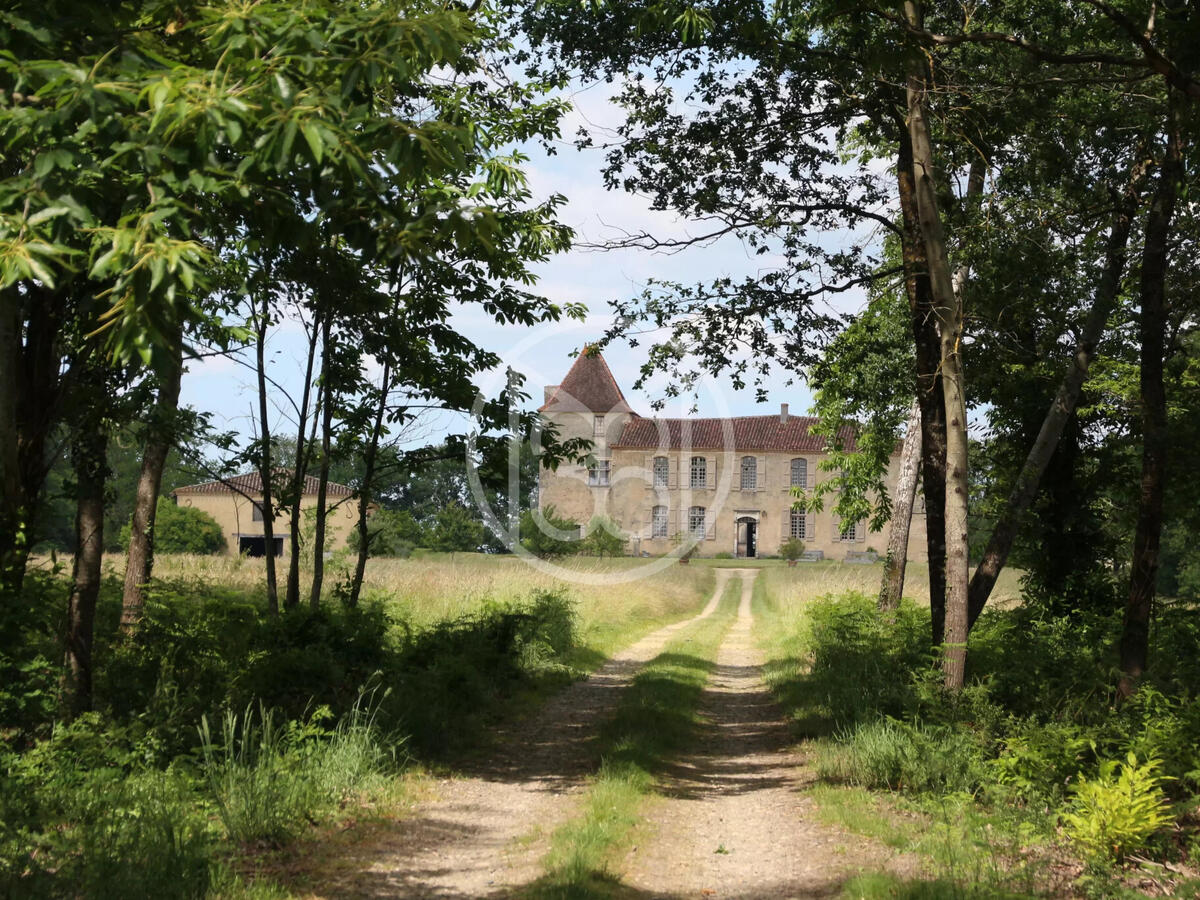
(588, 387)
(251, 483)
(745, 432)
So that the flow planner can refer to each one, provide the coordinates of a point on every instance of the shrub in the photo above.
(80, 817)
(392, 533)
(1116, 812)
(791, 549)
(604, 538)
(454, 530)
(558, 539)
(182, 529)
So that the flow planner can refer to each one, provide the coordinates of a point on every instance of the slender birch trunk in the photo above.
(1062, 407)
(291, 597)
(364, 492)
(1135, 630)
(949, 312)
(314, 598)
(139, 563)
(264, 459)
(89, 461)
(892, 588)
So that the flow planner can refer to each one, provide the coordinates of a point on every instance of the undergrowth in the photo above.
(217, 727)
(1037, 742)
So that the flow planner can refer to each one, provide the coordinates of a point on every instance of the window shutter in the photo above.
(760, 473)
(710, 527)
(672, 524)
(647, 523)
(786, 530)
(672, 473)
(810, 527)
(710, 472)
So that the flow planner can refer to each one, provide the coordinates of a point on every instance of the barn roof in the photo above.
(588, 387)
(251, 484)
(745, 433)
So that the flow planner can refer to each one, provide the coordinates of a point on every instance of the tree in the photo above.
(603, 538)
(454, 530)
(183, 529)
(392, 533)
(231, 159)
(770, 91)
(547, 535)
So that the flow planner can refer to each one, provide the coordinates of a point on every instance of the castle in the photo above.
(726, 482)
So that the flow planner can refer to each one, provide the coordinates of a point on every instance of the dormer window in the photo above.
(598, 426)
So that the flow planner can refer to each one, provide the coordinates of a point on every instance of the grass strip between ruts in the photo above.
(655, 719)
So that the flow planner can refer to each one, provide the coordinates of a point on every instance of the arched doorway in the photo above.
(746, 528)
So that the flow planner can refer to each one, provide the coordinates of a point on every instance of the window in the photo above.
(661, 468)
(598, 474)
(798, 525)
(749, 473)
(256, 512)
(598, 426)
(696, 521)
(699, 472)
(851, 533)
(799, 473)
(658, 527)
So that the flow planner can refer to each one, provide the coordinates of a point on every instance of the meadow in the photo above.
(432, 587)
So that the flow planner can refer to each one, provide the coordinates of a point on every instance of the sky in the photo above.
(224, 387)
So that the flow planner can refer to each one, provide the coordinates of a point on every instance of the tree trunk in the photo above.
(30, 393)
(323, 483)
(291, 598)
(88, 454)
(928, 387)
(892, 588)
(139, 563)
(949, 311)
(264, 459)
(13, 522)
(1135, 631)
(1062, 407)
(364, 491)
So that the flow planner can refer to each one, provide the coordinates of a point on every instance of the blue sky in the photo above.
(224, 387)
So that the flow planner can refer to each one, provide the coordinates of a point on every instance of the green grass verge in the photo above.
(970, 852)
(655, 719)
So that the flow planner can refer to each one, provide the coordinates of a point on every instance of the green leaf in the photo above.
(312, 134)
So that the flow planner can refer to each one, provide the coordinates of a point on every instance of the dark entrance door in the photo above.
(257, 546)
(747, 537)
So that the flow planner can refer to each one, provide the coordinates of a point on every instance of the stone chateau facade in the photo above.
(726, 481)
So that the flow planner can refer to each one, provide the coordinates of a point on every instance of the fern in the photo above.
(1116, 812)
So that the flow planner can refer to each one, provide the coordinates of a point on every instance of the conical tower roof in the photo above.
(588, 387)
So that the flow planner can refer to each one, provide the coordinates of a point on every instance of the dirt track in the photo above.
(732, 820)
(485, 833)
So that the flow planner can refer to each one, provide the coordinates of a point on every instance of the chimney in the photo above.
(548, 392)
(783, 414)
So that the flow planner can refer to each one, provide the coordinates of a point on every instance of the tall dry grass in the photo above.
(434, 587)
(788, 587)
